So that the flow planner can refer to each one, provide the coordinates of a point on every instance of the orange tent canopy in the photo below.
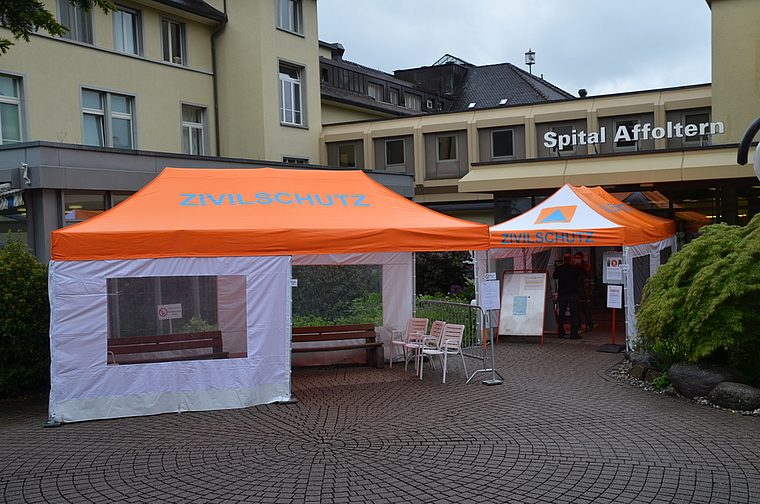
(260, 212)
(581, 216)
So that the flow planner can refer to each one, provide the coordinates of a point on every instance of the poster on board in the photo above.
(522, 304)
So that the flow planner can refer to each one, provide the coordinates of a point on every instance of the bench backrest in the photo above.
(166, 342)
(329, 333)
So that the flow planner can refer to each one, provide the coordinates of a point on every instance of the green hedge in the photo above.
(24, 322)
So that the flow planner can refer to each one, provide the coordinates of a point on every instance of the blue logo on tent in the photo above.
(556, 214)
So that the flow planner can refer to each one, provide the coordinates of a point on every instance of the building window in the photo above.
(395, 152)
(295, 160)
(567, 131)
(625, 135)
(107, 119)
(290, 95)
(82, 206)
(193, 138)
(413, 102)
(126, 30)
(173, 40)
(77, 21)
(347, 155)
(447, 148)
(375, 91)
(393, 96)
(696, 120)
(10, 110)
(290, 15)
(502, 143)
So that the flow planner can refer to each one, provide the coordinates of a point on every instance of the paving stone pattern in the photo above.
(559, 429)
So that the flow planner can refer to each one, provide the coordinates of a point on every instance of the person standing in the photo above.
(585, 291)
(567, 275)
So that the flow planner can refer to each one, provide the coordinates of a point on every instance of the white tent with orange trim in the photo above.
(223, 242)
(580, 217)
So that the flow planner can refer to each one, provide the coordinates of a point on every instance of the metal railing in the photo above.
(475, 342)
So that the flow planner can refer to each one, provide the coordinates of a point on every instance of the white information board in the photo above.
(522, 304)
(612, 273)
(614, 296)
(489, 292)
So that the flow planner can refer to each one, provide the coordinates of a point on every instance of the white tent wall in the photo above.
(84, 387)
(397, 291)
(654, 252)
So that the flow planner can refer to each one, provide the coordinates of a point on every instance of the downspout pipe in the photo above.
(216, 84)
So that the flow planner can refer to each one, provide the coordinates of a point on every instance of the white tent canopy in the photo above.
(580, 217)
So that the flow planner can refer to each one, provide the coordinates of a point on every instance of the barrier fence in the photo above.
(475, 342)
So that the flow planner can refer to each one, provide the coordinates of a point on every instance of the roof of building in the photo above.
(197, 7)
(330, 93)
(488, 86)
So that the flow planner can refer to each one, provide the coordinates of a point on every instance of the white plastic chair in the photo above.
(414, 328)
(419, 343)
(451, 344)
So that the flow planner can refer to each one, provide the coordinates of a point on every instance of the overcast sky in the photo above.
(604, 46)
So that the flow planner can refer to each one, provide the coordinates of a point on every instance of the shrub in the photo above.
(703, 303)
(24, 321)
(440, 273)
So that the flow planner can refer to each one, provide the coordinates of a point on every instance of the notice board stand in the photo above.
(523, 303)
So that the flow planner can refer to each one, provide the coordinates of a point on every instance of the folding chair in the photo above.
(414, 327)
(451, 344)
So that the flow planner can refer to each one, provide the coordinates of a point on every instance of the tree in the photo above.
(443, 272)
(24, 321)
(703, 303)
(24, 17)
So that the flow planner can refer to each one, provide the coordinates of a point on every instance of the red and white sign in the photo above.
(169, 311)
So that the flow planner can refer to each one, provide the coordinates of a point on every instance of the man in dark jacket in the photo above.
(567, 275)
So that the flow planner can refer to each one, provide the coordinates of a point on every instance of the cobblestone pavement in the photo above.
(559, 429)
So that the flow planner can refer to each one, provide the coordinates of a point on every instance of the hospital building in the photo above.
(89, 119)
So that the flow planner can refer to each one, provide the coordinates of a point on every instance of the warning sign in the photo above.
(170, 311)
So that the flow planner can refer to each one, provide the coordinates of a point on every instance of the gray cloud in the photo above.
(605, 46)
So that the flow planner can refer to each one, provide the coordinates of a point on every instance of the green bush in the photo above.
(196, 325)
(441, 273)
(703, 303)
(24, 322)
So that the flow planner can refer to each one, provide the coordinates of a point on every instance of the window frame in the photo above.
(80, 23)
(296, 160)
(559, 130)
(373, 88)
(340, 147)
(16, 101)
(136, 30)
(190, 127)
(413, 99)
(696, 140)
(493, 143)
(107, 117)
(455, 144)
(291, 88)
(403, 151)
(631, 145)
(167, 47)
(289, 16)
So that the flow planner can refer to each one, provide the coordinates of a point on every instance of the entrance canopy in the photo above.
(581, 217)
(263, 212)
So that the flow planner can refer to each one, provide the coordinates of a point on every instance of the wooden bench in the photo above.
(364, 332)
(137, 350)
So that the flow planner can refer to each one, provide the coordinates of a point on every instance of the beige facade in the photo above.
(735, 64)
(664, 147)
(250, 55)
